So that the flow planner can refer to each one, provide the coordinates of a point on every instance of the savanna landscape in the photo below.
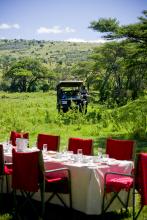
(115, 74)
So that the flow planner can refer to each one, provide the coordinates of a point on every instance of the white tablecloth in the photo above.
(87, 181)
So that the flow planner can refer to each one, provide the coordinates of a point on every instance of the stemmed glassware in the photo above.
(100, 152)
(44, 148)
(80, 154)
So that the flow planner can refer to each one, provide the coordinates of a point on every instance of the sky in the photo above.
(63, 20)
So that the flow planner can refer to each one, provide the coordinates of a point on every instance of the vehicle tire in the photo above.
(65, 109)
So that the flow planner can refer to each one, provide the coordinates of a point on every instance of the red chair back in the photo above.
(26, 171)
(141, 177)
(120, 149)
(78, 143)
(15, 134)
(52, 141)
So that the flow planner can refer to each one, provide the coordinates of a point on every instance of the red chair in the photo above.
(15, 134)
(58, 182)
(115, 182)
(120, 149)
(78, 143)
(27, 178)
(140, 183)
(5, 169)
(52, 141)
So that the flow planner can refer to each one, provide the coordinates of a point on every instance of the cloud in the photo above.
(100, 40)
(2, 38)
(5, 26)
(76, 40)
(55, 30)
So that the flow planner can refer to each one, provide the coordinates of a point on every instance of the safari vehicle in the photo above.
(69, 96)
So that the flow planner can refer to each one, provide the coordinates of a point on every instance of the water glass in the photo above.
(59, 155)
(44, 148)
(70, 154)
(106, 156)
(100, 152)
(80, 154)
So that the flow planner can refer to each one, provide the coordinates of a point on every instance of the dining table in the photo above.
(87, 178)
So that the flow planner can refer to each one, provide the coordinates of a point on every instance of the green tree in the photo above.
(132, 63)
(25, 75)
(133, 32)
(84, 70)
(109, 63)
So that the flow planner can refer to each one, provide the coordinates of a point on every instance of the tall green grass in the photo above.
(37, 113)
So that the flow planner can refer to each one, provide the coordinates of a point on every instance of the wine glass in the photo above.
(100, 152)
(44, 148)
(80, 154)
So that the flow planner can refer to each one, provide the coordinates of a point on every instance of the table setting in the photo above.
(87, 175)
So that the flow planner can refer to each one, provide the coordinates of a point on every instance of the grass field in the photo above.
(37, 113)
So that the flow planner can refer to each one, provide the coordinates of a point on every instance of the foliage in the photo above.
(5, 217)
(84, 70)
(55, 55)
(105, 25)
(133, 32)
(36, 112)
(25, 75)
(122, 65)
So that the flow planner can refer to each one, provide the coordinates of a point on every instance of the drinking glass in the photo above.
(44, 148)
(100, 152)
(80, 154)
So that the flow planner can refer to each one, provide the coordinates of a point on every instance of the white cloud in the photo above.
(5, 26)
(16, 26)
(55, 30)
(100, 40)
(2, 38)
(76, 40)
(69, 30)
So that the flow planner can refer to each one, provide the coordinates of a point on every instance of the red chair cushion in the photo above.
(56, 184)
(120, 149)
(115, 183)
(77, 143)
(56, 181)
(8, 169)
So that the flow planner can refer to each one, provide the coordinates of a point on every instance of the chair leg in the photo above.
(2, 184)
(70, 200)
(103, 203)
(133, 214)
(14, 211)
(104, 209)
(50, 198)
(135, 217)
(7, 183)
(42, 200)
(127, 202)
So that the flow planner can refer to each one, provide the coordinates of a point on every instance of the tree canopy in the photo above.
(24, 75)
(122, 64)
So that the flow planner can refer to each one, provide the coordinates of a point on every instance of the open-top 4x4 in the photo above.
(69, 96)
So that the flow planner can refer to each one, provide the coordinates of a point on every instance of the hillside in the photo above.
(46, 51)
